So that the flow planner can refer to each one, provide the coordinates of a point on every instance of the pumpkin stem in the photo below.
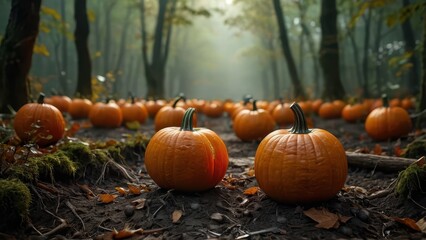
(254, 105)
(176, 101)
(187, 120)
(40, 99)
(385, 100)
(300, 126)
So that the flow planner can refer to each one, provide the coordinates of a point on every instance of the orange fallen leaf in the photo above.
(121, 191)
(377, 149)
(72, 130)
(251, 191)
(86, 189)
(323, 217)
(408, 222)
(126, 233)
(107, 198)
(176, 215)
(134, 189)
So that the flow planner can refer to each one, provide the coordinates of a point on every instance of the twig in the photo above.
(267, 230)
(63, 224)
(119, 167)
(73, 210)
(156, 211)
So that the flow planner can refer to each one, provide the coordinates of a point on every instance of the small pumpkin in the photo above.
(39, 123)
(255, 124)
(213, 109)
(387, 122)
(300, 165)
(354, 112)
(106, 115)
(62, 103)
(186, 158)
(170, 116)
(153, 106)
(331, 110)
(283, 115)
(134, 111)
(80, 108)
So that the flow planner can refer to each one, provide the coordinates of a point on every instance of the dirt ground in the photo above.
(224, 212)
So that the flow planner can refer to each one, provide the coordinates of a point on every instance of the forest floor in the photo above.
(72, 210)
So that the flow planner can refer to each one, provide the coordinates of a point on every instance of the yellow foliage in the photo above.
(366, 5)
(91, 15)
(405, 13)
(41, 49)
(51, 12)
(43, 27)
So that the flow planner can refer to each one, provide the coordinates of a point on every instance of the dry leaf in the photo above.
(121, 191)
(250, 172)
(377, 149)
(107, 198)
(134, 189)
(323, 217)
(86, 189)
(126, 233)
(343, 219)
(251, 191)
(408, 222)
(176, 215)
(139, 203)
(422, 224)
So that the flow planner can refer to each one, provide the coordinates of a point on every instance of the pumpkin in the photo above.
(186, 158)
(62, 103)
(330, 110)
(387, 122)
(407, 103)
(134, 111)
(253, 124)
(153, 106)
(106, 115)
(283, 115)
(316, 104)
(213, 109)
(354, 112)
(39, 123)
(80, 108)
(300, 165)
(170, 116)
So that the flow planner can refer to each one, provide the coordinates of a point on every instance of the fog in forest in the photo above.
(223, 52)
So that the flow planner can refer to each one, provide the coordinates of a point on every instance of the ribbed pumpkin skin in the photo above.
(250, 125)
(80, 108)
(388, 123)
(300, 165)
(39, 123)
(186, 160)
(106, 115)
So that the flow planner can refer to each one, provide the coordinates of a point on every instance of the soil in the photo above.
(225, 212)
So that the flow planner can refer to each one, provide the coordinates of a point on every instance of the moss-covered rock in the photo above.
(411, 181)
(15, 199)
(416, 149)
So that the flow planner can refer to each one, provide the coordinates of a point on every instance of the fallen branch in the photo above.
(378, 162)
(74, 211)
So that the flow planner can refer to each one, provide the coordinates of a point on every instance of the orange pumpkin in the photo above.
(354, 112)
(170, 116)
(283, 115)
(106, 115)
(213, 109)
(185, 158)
(62, 103)
(153, 106)
(253, 124)
(329, 110)
(134, 111)
(387, 122)
(407, 103)
(39, 123)
(80, 108)
(300, 165)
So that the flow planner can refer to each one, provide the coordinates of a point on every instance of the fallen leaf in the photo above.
(73, 129)
(250, 172)
(343, 219)
(134, 125)
(107, 198)
(126, 233)
(323, 217)
(139, 203)
(421, 161)
(176, 215)
(134, 189)
(86, 189)
(251, 191)
(121, 191)
(422, 224)
(377, 149)
(408, 222)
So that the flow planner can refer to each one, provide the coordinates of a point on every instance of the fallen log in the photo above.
(378, 162)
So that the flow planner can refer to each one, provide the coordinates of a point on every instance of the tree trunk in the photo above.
(365, 70)
(329, 52)
(81, 34)
(313, 52)
(16, 53)
(422, 96)
(64, 65)
(299, 92)
(107, 38)
(410, 45)
(379, 58)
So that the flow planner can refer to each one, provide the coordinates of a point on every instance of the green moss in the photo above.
(411, 181)
(15, 199)
(415, 149)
